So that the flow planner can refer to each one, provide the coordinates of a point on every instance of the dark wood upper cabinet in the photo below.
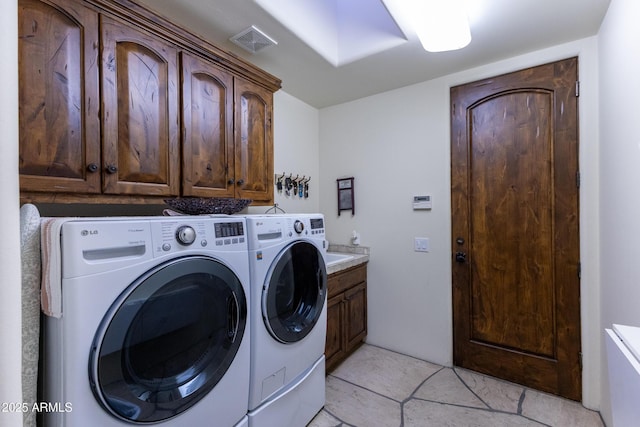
(59, 118)
(140, 112)
(207, 117)
(120, 105)
(253, 142)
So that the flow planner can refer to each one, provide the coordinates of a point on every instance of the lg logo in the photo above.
(88, 232)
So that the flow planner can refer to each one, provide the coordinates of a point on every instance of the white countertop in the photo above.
(356, 255)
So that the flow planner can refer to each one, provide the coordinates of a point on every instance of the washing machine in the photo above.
(289, 316)
(155, 324)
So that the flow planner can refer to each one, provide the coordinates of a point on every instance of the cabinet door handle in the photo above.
(111, 169)
(231, 181)
(240, 182)
(92, 167)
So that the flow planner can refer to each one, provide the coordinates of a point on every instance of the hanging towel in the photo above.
(31, 268)
(171, 212)
(51, 288)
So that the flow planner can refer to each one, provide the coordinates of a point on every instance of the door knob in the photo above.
(461, 257)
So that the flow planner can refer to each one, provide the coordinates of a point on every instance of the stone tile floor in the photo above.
(378, 387)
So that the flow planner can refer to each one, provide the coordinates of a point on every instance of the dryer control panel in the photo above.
(267, 230)
(305, 225)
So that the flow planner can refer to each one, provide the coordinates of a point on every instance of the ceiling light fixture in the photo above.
(441, 25)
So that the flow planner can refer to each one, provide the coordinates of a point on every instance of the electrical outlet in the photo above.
(421, 244)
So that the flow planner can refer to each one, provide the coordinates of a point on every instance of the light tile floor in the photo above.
(378, 387)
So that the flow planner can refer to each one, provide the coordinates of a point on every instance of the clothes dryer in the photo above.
(154, 327)
(289, 315)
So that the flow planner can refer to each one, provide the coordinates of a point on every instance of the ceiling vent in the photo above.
(253, 40)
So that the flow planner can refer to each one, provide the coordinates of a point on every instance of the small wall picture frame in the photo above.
(345, 195)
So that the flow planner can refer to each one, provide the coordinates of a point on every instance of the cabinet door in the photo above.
(356, 313)
(335, 342)
(59, 121)
(253, 142)
(140, 112)
(207, 123)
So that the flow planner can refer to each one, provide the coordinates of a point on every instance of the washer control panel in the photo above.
(94, 245)
(230, 233)
(174, 235)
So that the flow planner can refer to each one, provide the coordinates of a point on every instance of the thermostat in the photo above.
(421, 202)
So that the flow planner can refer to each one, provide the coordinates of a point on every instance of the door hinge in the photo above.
(578, 179)
(580, 360)
(577, 88)
(579, 270)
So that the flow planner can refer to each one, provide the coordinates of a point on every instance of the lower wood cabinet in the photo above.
(346, 314)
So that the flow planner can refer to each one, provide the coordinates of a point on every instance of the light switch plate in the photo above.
(421, 244)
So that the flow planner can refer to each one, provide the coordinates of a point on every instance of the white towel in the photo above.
(51, 288)
(31, 278)
(171, 212)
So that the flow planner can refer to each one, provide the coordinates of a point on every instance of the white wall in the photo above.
(396, 145)
(395, 148)
(620, 171)
(296, 151)
(10, 290)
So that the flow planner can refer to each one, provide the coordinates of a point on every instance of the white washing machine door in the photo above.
(168, 339)
(294, 292)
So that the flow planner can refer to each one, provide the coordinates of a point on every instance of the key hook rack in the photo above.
(293, 186)
(297, 178)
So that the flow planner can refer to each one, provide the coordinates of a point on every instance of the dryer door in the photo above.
(295, 292)
(168, 340)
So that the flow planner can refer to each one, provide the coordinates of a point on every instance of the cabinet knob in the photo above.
(240, 182)
(92, 167)
(111, 169)
(231, 181)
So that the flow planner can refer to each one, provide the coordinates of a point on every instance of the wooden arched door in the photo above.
(516, 264)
